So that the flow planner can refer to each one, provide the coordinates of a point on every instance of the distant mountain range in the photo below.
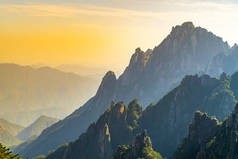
(13, 129)
(187, 50)
(92, 72)
(8, 132)
(26, 93)
(36, 128)
(13, 134)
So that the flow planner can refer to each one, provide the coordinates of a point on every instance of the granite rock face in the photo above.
(113, 128)
(141, 148)
(149, 76)
(202, 129)
(167, 121)
(224, 62)
(187, 50)
(213, 140)
(225, 141)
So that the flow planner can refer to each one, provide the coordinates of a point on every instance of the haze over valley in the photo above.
(135, 79)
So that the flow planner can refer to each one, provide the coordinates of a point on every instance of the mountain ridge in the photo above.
(187, 50)
(119, 123)
(23, 86)
(36, 127)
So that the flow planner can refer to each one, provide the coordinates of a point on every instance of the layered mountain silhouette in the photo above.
(174, 112)
(26, 93)
(12, 128)
(36, 127)
(8, 133)
(224, 62)
(149, 76)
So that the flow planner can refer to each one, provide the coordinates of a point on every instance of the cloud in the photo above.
(94, 10)
(69, 11)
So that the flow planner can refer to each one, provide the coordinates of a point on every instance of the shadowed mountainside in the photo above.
(119, 123)
(149, 76)
(209, 139)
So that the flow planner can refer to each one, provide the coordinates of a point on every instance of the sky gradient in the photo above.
(101, 33)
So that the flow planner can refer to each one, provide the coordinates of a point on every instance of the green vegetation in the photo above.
(5, 153)
(140, 149)
(209, 144)
(215, 143)
(119, 124)
(40, 157)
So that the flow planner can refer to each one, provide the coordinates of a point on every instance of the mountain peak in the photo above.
(36, 127)
(188, 25)
(109, 75)
(139, 59)
(201, 126)
(138, 50)
(141, 148)
(185, 27)
(202, 129)
(142, 140)
(46, 118)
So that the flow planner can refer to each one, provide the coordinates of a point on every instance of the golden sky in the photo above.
(102, 33)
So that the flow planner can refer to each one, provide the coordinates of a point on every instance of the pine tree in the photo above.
(5, 153)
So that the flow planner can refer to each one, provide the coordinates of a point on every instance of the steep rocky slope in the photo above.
(224, 62)
(174, 112)
(141, 148)
(224, 144)
(212, 140)
(149, 76)
(171, 114)
(202, 129)
(114, 127)
(186, 50)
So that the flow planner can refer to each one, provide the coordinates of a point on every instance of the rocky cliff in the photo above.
(212, 140)
(175, 110)
(114, 127)
(202, 129)
(167, 121)
(149, 76)
(141, 148)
